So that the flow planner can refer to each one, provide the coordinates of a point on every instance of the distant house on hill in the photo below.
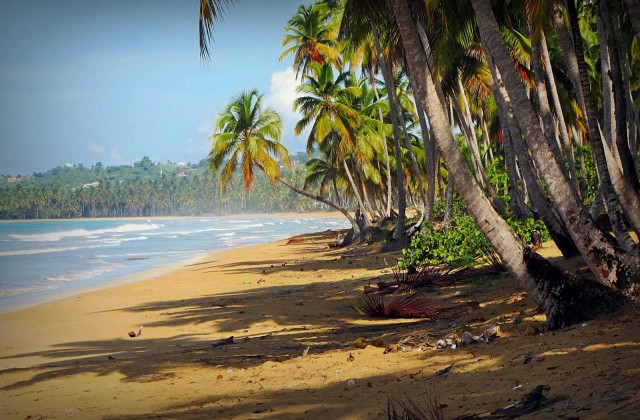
(181, 165)
(186, 172)
(91, 185)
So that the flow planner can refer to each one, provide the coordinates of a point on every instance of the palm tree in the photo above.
(326, 105)
(247, 138)
(599, 253)
(310, 39)
(553, 291)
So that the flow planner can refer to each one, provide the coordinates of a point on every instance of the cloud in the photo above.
(281, 96)
(197, 147)
(96, 149)
(100, 152)
(115, 155)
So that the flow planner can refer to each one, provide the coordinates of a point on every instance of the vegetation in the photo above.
(144, 189)
(407, 101)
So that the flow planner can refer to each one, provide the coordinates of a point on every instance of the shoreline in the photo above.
(44, 296)
(325, 214)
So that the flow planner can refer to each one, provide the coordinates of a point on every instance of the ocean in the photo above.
(39, 259)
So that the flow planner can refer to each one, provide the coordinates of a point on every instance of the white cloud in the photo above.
(282, 94)
(206, 128)
(115, 155)
(100, 152)
(96, 149)
(197, 148)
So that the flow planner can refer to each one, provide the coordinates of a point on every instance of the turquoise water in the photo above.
(40, 258)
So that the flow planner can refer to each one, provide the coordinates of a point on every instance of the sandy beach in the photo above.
(73, 357)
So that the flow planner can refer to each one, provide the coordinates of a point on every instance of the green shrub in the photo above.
(524, 227)
(461, 244)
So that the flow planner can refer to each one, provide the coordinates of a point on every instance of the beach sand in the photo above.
(74, 358)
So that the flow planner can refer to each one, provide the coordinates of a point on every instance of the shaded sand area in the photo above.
(73, 357)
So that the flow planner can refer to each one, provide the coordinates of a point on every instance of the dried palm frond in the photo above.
(409, 409)
(409, 306)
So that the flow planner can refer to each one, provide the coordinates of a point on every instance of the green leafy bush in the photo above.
(460, 244)
(524, 227)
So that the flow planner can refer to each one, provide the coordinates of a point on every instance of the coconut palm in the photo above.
(309, 38)
(247, 139)
(593, 245)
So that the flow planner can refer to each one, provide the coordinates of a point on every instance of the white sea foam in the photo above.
(57, 236)
(35, 251)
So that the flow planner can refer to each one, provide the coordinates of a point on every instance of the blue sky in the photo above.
(112, 81)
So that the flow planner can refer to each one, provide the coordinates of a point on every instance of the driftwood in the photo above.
(528, 403)
(223, 342)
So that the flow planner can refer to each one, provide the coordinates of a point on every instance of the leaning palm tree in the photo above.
(247, 139)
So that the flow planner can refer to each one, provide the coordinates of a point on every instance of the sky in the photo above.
(112, 81)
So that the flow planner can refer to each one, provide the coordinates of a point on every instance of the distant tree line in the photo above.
(144, 189)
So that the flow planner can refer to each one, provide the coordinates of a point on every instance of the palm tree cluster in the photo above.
(124, 191)
(405, 100)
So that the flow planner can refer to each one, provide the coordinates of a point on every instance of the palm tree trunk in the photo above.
(610, 266)
(429, 151)
(564, 134)
(387, 165)
(556, 293)
(628, 198)
(621, 144)
(543, 101)
(488, 152)
(633, 8)
(356, 193)
(564, 37)
(354, 224)
(554, 223)
(398, 233)
(466, 123)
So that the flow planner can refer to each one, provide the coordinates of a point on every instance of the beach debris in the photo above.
(69, 412)
(338, 372)
(536, 240)
(419, 340)
(219, 377)
(491, 333)
(360, 343)
(532, 329)
(133, 334)
(467, 338)
(391, 348)
(410, 306)
(350, 358)
(223, 342)
(377, 342)
(443, 371)
(528, 403)
(351, 383)
(306, 351)
(300, 302)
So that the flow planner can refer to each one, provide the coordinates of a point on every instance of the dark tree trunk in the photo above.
(610, 266)
(493, 227)
(355, 234)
